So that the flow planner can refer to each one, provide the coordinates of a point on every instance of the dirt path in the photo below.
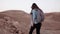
(50, 31)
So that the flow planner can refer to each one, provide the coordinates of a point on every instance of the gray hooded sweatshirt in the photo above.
(37, 16)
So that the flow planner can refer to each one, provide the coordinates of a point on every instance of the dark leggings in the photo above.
(37, 26)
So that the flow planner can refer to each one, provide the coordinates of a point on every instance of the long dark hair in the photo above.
(34, 5)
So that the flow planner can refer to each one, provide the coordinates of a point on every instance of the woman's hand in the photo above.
(31, 24)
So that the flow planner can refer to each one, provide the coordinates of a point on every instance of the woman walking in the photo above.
(37, 18)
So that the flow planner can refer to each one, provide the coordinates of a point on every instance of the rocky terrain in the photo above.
(18, 22)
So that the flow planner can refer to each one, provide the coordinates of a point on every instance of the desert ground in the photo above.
(18, 22)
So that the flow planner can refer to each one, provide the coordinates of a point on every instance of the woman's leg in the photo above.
(38, 27)
(31, 29)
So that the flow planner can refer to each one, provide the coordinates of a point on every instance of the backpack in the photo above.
(40, 15)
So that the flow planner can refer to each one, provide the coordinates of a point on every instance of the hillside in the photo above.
(18, 22)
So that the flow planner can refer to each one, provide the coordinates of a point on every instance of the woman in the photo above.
(37, 17)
